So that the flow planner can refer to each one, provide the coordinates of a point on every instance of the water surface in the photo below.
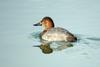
(78, 16)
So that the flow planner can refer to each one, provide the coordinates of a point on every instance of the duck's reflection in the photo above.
(45, 48)
(49, 47)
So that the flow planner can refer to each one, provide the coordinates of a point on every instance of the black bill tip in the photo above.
(36, 46)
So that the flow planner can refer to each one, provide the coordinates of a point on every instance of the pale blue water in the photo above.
(77, 16)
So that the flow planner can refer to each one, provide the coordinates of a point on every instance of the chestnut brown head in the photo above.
(46, 22)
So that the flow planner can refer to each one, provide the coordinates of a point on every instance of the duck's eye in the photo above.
(41, 21)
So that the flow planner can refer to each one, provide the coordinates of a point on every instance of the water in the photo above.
(77, 16)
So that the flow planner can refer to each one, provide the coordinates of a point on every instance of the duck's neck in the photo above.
(45, 30)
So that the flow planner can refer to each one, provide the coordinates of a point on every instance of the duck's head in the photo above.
(46, 22)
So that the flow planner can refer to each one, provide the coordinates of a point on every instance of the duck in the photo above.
(51, 33)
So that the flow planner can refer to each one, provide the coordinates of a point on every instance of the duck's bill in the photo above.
(37, 24)
(36, 46)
